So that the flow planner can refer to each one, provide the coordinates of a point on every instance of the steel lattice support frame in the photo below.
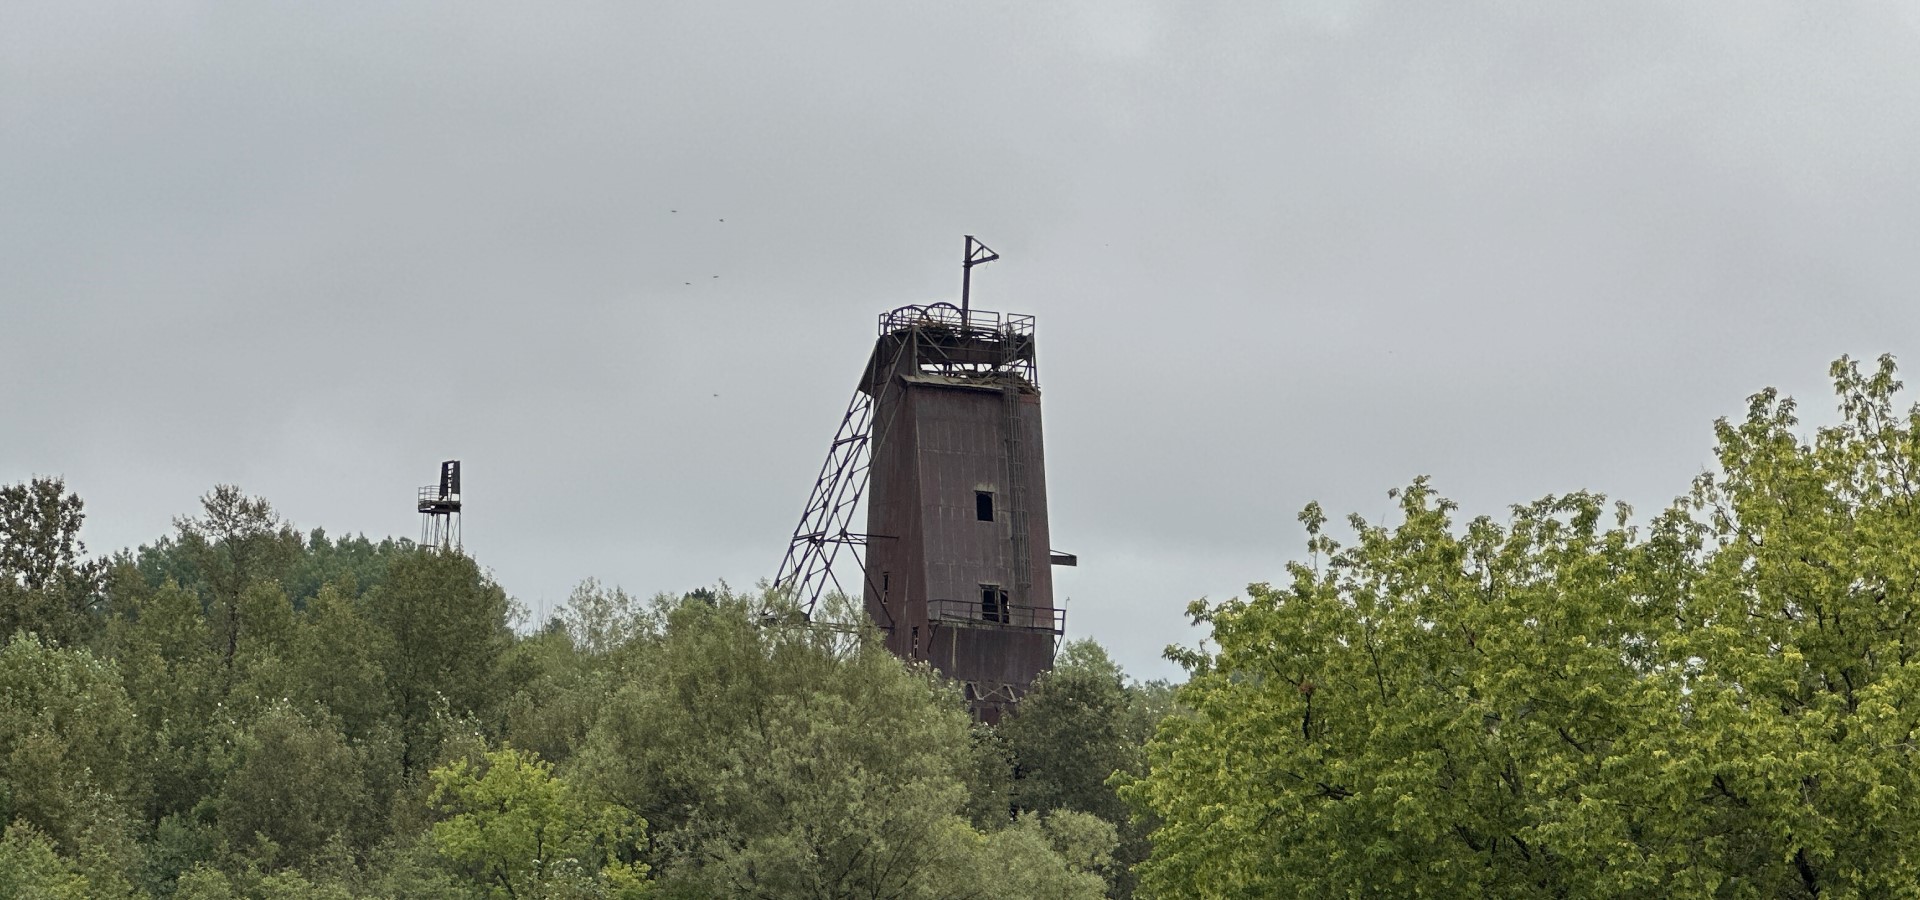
(825, 526)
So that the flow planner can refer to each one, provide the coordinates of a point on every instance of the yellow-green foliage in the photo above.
(31, 870)
(66, 729)
(514, 827)
(1721, 702)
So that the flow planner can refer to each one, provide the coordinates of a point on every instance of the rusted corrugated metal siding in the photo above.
(935, 444)
(895, 561)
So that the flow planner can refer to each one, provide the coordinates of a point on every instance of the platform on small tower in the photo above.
(435, 501)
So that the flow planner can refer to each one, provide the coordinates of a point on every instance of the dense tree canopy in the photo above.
(1081, 727)
(1568, 700)
(252, 714)
(66, 739)
(1717, 702)
(800, 762)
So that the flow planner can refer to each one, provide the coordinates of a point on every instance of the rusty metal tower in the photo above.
(943, 440)
(440, 509)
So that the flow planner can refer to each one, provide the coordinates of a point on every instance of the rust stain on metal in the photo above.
(967, 583)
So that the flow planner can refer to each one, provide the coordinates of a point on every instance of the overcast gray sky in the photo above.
(1279, 252)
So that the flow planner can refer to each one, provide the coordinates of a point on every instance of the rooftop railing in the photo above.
(980, 343)
(982, 323)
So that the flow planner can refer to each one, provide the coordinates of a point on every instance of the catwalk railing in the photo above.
(982, 343)
(432, 500)
(976, 614)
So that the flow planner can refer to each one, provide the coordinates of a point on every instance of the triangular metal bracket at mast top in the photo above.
(976, 254)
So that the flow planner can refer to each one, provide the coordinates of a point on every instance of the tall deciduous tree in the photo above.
(600, 619)
(170, 662)
(446, 627)
(1072, 733)
(558, 695)
(336, 663)
(66, 736)
(295, 787)
(47, 585)
(236, 543)
(1720, 702)
(40, 531)
(1080, 727)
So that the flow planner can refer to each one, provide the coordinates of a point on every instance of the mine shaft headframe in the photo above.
(976, 254)
(827, 525)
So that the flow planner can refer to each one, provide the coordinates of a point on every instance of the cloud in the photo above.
(1279, 252)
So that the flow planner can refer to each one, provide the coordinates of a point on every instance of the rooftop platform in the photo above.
(937, 339)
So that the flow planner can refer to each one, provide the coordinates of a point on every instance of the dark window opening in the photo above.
(916, 643)
(886, 583)
(983, 505)
(993, 604)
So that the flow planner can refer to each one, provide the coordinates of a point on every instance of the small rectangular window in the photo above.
(993, 604)
(983, 505)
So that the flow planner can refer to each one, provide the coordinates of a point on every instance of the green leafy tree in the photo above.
(559, 693)
(1716, 703)
(989, 778)
(235, 543)
(353, 565)
(601, 619)
(260, 674)
(1389, 723)
(565, 673)
(40, 531)
(296, 787)
(177, 844)
(408, 866)
(66, 732)
(204, 883)
(1060, 856)
(335, 662)
(1080, 727)
(1794, 657)
(295, 886)
(446, 633)
(517, 831)
(47, 585)
(777, 760)
(31, 869)
(170, 664)
(1072, 733)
